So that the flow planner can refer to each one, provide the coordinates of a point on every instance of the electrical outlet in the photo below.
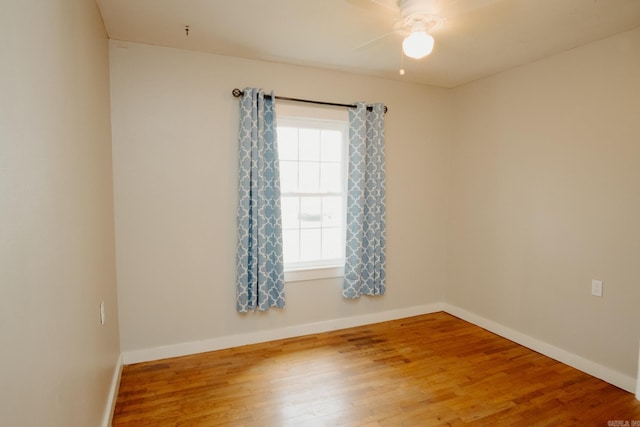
(102, 312)
(596, 288)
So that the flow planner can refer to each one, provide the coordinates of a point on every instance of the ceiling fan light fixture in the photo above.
(418, 44)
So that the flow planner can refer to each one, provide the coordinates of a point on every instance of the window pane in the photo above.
(290, 212)
(310, 244)
(312, 154)
(330, 178)
(309, 144)
(332, 246)
(332, 212)
(288, 177)
(331, 146)
(291, 246)
(310, 212)
(309, 177)
(287, 143)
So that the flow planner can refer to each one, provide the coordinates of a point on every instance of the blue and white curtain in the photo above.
(259, 259)
(365, 266)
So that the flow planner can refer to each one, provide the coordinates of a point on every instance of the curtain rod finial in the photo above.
(236, 92)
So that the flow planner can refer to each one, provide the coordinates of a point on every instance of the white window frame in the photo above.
(323, 118)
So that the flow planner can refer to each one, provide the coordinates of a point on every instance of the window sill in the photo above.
(313, 273)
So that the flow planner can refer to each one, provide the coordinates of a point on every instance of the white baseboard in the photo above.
(602, 372)
(219, 343)
(592, 368)
(113, 393)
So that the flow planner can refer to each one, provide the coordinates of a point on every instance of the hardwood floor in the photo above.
(427, 370)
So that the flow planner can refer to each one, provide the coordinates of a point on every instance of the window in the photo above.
(312, 150)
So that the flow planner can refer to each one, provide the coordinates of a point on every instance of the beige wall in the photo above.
(175, 128)
(57, 255)
(545, 197)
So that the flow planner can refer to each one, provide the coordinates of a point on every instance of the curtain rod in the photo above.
(238, 93)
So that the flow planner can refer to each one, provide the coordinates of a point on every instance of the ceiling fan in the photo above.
(418, 18)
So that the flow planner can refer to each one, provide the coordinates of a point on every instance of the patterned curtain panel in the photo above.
(365, 265)
(260, 274)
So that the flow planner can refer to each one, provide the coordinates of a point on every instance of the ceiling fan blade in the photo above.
(374, 41)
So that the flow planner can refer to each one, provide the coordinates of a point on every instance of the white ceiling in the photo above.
(486, 36)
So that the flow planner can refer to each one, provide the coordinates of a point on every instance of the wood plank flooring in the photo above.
(431, 370)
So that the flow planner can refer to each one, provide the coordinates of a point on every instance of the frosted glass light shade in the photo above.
(417, 45)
